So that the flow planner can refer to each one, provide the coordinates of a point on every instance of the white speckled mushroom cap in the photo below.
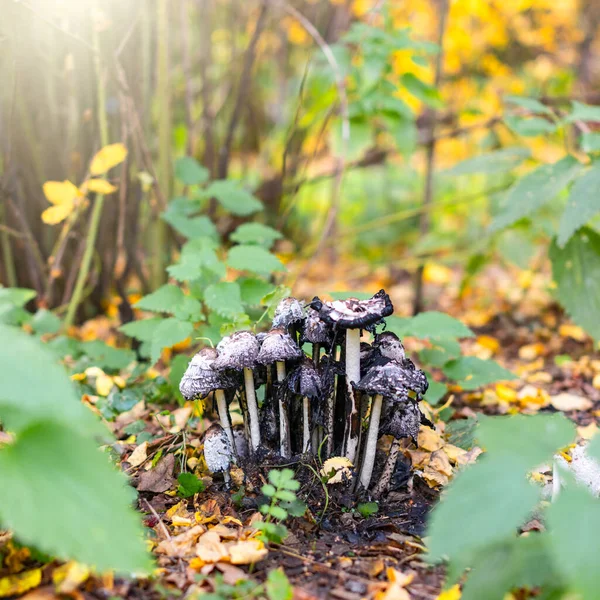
(278, 345)
(316, 330)
(199, 378)
(353, 313)
(390, 346)
(289, 310)
(218, 452)
(237, 351)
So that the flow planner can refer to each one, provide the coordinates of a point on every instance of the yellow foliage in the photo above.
(107, 158)
(64, 195)
(100, 186)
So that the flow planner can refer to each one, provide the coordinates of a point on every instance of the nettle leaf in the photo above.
(224, 298)
(171, 299)
(190, 172)
(253, 290)
(582, 205)
(45, 321)
(574, 522)
(197, 256)
(168, 333)
(278, 586)
(441, 352)
(488, 501)
(254, 259)
(435, 392)
(56, 485)
(534, 190)
(190, 227)
(142, 330)
(583, 112)
(255, 233)
(576, 271)
(499, 161)
(233, 197)
(429, 325)
(107, 357)
(531, 104)
(189, 485)
(33, 386)
(530, 126)
(471, 372)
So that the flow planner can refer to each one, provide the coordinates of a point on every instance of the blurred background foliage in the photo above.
(341, 117)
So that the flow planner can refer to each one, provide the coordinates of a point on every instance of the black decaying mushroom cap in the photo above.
(218, 452)
(277, 346)
(200, 379)
(401, 419)
(305, 380)
(316, 330)
(414, 379)
(237, 351)
(388, 345)
(386, 379)
(288, 311)
(353, 313)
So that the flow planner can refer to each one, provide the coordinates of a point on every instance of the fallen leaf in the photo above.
(434, 478)
(16, 585)
(572, 331)
(453, 593)
(160, 478)
(531, 351)
(231, 573)
(181, 545)
(225, 533)
(441, 463)
(68, 577)
(453, 452)
(337, 469)
(429, 439)
(43, 593)
(210, 549)
(567, 402)
(247, 552)
(139, 455)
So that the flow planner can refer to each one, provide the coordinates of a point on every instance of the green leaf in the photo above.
(442, 352)
(582, 205)
(255, 233)
(576, 271)
(171, 299)
(461, 432)
(189, 485)
(530, 104)
(178, 367)
(168, 333)
(278, 586)
(471, 372)
(488, 501)
(141, 330)
(233, 198)
(583, 112)
(278, 513)
(534, 190)
(16, 297)
(499, 161)
(45, 321)
(33, 386)
(190, 227)
(428, 94)
(190, 172)
(432, 325)
(224, 298)
(574, 522)
(197, 256)
(268, 490)
(57, 485)
(254, 259)
(107, 357)
(590, 141)
(285, 496)
(253, 290)
(367, 509)
(435, 392)
(530, 126)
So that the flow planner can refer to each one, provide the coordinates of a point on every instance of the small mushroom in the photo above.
(200, 379)
(317, 332)
(218, 452)
(389, 345)
(382, 380)
(277, 347)
(305, 381)
(239, 352)
(288, 315)
(353, 315)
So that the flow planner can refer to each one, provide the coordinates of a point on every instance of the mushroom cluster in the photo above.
(324, 391)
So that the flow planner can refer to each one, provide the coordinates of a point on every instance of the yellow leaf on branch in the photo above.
(64, 195)
(100, 186)
(107, 158)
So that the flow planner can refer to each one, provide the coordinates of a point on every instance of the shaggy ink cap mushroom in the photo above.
(289, 311)
(239, 352)
(305, 380)
(218, 452)
(389, 345)
(278, 346)
(401, 420)
(316, 330)
(414, 378)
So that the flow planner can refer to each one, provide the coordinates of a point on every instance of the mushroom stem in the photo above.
(284, 425)
(224, 415)
(252, 408)
(316, 353)
(352, 376)
(371, 446)
(388, 470)
(306, 428)
(353, 355)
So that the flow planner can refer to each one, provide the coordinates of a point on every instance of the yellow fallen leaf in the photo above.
(107, 158)
(489, 342)
(100, 186)
(596, 381)
(68, 577)
(453, 593)
(453, 452)
(16, 585)
(181, 545)
(210, 549)
(437, 274)
(104, 384)
(531, 351)
(572, 331)
(433, 477)
(247, 552)
(229, 519)
(178, 521)
(440, 462)
(429, 439)
(567, 402)
(506, 393)
(337, 469)
(179, 509)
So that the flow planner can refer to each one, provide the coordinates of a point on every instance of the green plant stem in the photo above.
(99, 202)
(7, 253)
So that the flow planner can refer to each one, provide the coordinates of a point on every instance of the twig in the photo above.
(162, 525)
(241, 93)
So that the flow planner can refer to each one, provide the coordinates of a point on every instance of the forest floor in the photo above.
(338, 552)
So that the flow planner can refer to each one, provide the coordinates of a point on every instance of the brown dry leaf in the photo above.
(68, 577)
(572, 331)
(139, 455)
(177, 510)
(129, 416)
(43, 593)
(429, 439)
(181, 545)
(209, 548)
(15, 557)
(419, 458)
(226, 533)
(470, 457)
(453, 452)
(231, 573)
(159, 479)
(247, 552)
(181, 417)
(16, 585)
(434, 478)
(208, 512)
(440, 462)
(567, 402)
(396, 588)
(531, 351)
